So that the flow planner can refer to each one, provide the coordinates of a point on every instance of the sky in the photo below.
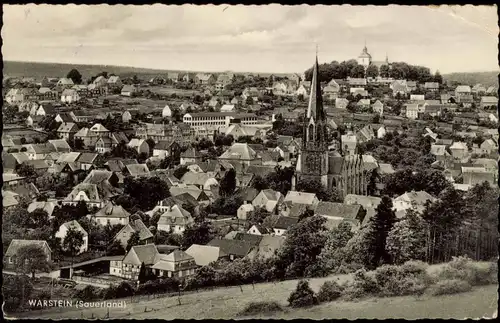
(272, 38)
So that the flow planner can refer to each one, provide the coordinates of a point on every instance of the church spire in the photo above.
(315, 108)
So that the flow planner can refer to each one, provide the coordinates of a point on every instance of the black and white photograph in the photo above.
(250, 162)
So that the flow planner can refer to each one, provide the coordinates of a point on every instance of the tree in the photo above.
(384, 71)
(31, 259)
(438, 77)
(302, 296)
(133, 240)
(304, 243)
(115, 249)
(145, 192)
(249, 100)
(336, 240)
(10, 112)
(312, 186)
(256, 217)
(26, 170)
(142, 274)
(197, 233)
(358, 71)
(228, 183)
(381, 224)
(406, 240)
(75, 76)
(15, 290)
(372, 71)
(72, 242)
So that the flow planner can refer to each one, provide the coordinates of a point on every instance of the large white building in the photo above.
(217, 121)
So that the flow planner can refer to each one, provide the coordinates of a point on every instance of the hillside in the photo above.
(484, 78)
(40, 70)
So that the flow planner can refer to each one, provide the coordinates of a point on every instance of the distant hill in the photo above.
(40, 70)
(484, 78)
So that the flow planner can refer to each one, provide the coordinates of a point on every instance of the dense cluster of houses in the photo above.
(199, 186)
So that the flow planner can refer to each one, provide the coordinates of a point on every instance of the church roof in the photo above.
(315, 108)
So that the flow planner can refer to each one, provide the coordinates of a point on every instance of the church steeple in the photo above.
(315, 109)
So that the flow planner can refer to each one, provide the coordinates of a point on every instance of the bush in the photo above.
(449, 286)
(408, 279)
(255, 308)
(330, 291)
(362, 286)
(302, 296)
(124, 289)
(463, 268)
(89, 293)
(348, 268)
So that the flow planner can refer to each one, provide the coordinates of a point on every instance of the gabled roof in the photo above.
(139, 226)
(175, 215)
(60, 145)
(204, 255)
(296, 197)
(87, 158)
(177, 256)
(147, 254)
(250, 238)
(285, 222)
(110, 210)
(68, 127)
(420, 197)
(331, 209)
(239, 151)
(75, 226)
(232, 247)
(137, 169)
(17, 244)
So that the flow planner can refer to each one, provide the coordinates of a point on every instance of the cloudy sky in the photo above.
(271, 38)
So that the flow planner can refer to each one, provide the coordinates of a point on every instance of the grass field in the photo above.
(226, 303)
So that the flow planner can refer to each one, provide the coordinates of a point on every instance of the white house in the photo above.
(227, 108)
(381, 132)
(64, 228)
(128, 90)
(175, 219)
(112, 214)
(70, 96)
(244, 210)
(140, 145)
(411, 200)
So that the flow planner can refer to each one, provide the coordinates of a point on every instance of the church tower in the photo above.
(313, 159)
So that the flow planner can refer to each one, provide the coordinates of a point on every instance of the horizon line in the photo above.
(198, 71)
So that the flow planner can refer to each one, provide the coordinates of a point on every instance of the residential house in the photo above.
(228, 108)
(60, 145)
(269, 200)
(431, 86)
(378, 107)
(363, 103)
(82, 115)
(176, 264)
(222, 81)
(166, 148)
(242, 153)
(65, 82)
(488, 102)
(114, 82)
(67, 131)
(477, 175)
(204, 79)
(86, 160)
(412, 111)
(39, 151)
(488, 146)
(138, 255)
(190, 156)
(411, 200)
(283, 224)
(129, 115)
(349, 143)
(103, 145)
(70, 96)
(259, 230)
(140, 145)
(128, 90)
(204, 255)
(45, 110)
(244, 211)
(459, 150)
(341, 103)
(175, 219)
(136, 170)
(84, 192)
(145, 236)
(462, 90)
(399, 87)
(16, 244)
(73, 225)
(112, 214)
(336, 213)
(232, 248)
(88, 137)
(295, 197)
(411, 85)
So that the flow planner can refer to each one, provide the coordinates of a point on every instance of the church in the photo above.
(315, 162)
(365, 59)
